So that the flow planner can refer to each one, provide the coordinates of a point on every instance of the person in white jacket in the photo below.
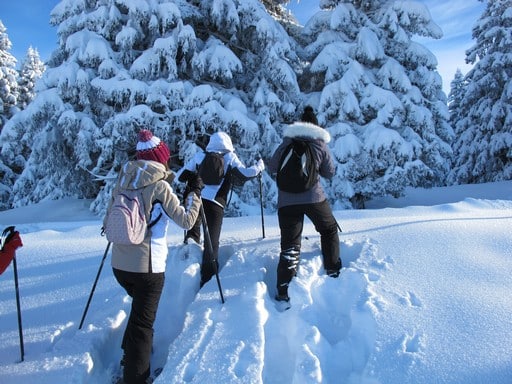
(140, 268)
(214, 197)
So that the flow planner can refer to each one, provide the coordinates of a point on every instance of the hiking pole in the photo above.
(261, 205)
(208, 242)
(94, 286)
(20, 327)
(6, 236)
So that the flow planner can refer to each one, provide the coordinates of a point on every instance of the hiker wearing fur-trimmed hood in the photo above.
(307, 127)
(308, 131)
(312, 203)
(318, 138)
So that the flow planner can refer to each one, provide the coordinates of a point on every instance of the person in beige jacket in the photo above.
(140, 269)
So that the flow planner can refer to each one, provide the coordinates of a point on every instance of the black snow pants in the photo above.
(291, 223)
(214, 217)
(145, 290)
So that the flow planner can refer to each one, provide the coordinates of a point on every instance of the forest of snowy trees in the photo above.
(17, 87)
(185, 68)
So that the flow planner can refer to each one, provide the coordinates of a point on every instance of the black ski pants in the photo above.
(145, 290)
(291, 223)
(214, 217)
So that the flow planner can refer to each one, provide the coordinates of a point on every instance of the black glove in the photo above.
(202, 141)
(195, 184)
(185, 176)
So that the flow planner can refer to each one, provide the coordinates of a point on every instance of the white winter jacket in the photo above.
(220, 142)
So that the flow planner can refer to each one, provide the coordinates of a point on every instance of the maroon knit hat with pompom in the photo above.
(150, 147)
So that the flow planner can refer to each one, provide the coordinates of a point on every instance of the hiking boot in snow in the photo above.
(333, 273)
(282, 302)
(282, 297)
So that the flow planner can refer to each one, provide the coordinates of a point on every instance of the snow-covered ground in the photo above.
(424, 297)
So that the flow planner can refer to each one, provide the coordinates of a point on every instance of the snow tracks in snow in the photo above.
(181, 286)
(327, 336)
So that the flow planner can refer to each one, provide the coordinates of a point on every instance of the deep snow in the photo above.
(424, 297)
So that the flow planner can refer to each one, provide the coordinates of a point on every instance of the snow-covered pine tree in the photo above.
(245, 70)
(8, 100)
(180, 68)
(8, 78)
(378, 93)
(455, 106)
(483, 148)
(457, 88)
(32, 68)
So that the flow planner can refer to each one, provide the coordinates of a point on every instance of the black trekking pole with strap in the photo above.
(208, 242)
(261, 205)
(20, 328)
(6, 236)
(94, 286)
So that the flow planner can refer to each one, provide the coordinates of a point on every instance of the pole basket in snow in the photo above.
(9, 242)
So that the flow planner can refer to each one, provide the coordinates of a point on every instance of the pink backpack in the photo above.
(125, 222)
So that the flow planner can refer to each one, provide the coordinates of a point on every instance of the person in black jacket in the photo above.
(292, 207)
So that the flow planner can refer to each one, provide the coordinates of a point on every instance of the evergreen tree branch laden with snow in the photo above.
(380, 96)
(186, 69)
(32, 69)
(182, 69)
(483, 148)
(8, 79)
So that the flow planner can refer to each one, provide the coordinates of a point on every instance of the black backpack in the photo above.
(297, 171)
(211, 168)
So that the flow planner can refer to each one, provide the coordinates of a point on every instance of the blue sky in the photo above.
(28, 24)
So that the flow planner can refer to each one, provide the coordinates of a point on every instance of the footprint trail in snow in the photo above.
(327, 336)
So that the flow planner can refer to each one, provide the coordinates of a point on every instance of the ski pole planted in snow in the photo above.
(20, 327)
(261, 206)
(94, 286)
(208, 242)
(9, 242)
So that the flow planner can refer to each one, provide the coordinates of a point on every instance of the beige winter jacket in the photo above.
(157, 194)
